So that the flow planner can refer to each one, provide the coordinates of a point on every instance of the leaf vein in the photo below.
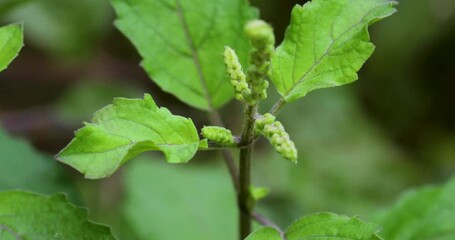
(329, 48)
(195, 55)
(158, 34)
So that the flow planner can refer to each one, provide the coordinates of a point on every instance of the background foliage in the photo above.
(360, 145)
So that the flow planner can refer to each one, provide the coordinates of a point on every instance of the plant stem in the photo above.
(244, 197)
(232, 167)
(228, 157)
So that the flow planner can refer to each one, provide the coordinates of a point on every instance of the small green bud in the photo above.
(260, 33)
(219, 135)
(258, 193)
(264, 120)
(236, 75)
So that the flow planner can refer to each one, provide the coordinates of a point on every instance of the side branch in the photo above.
(277, 107)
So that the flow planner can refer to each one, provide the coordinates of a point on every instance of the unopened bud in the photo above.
(277, 136)
(236, 75)
(219, 135)
(260, 33)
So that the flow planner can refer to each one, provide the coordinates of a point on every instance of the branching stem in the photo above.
(228, 157)
(244, 196)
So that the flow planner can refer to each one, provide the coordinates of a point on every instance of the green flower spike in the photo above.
(261, 122)
(236, 76)
(263, 40)
(277, 136)
(219, 135)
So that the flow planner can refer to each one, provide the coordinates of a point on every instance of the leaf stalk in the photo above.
(277, 107)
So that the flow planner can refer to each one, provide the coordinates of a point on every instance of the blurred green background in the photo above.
(360, 145)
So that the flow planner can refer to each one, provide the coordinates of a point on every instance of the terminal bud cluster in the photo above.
(263, 41)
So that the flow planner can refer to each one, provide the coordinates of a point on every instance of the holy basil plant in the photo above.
(208, 52)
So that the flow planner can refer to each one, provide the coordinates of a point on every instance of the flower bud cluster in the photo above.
(263, 40)
(277, 136)
(260, 123)
(236, 75)
(219, 135)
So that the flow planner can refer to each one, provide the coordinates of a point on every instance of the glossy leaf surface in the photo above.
(125, 129)
(11, 41)
(426, 213)
(30, 216)
(325, 45)
(323, 226)
(181, 43)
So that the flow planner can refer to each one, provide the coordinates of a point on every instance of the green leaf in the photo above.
(21, 167)
(11, 42)
(321, 226)
(30, 216)
(191, 202)
(264, 233)
(326, 44)
(181, 43)
(259, 193)
(426, 213)
(125, 129)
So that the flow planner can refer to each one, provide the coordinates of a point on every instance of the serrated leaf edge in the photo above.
(64, 197)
